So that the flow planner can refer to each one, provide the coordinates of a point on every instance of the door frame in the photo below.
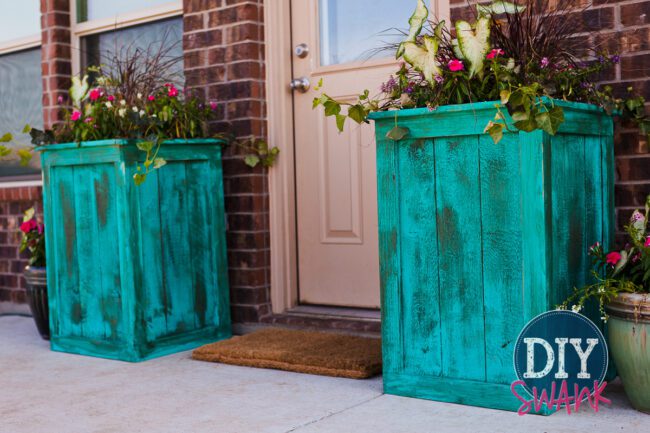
(279, 109)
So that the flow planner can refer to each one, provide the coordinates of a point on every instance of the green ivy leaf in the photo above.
(340, 122)
(25, 156)
(159, 162)
(495, 130)
(252, 160)
(145, 146)
(505, 96)
(397, 133)
(357, 113)
(526, 124)
(139, 178)
(6, 138)
(551, 120)
(332, 108)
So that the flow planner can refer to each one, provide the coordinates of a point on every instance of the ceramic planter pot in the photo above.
(36, 279)
(476, 239)
(628, 329)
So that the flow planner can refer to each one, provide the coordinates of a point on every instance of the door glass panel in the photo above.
(357, 30)
(20, 19)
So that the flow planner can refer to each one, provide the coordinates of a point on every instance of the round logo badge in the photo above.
(560, 349)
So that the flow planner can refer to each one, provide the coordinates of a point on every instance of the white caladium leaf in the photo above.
(498, 8)
(423, 58)
(474, 43)
(416, 22)
(457, 52)
(79, 90)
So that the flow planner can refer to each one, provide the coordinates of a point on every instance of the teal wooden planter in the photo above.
(135, 272)
(477, 238)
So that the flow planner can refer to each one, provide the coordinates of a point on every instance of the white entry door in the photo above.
(336, 195)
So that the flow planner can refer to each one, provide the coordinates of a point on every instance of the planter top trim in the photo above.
(476, 107)
(121, 142)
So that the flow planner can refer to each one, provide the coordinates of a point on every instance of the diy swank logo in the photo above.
(561, 360)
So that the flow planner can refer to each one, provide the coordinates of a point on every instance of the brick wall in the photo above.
(13, 202)
(623, 27)
(56, 54)
(224, 62)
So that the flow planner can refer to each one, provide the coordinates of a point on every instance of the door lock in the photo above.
(301, 84)
(301, 51)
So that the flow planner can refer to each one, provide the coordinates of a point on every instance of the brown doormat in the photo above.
(320, 353)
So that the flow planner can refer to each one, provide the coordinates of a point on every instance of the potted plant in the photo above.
(621, 288)
(495, 172)
(33, 241)
(136, 253)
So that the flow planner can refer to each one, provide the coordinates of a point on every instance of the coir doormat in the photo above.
(320, 353)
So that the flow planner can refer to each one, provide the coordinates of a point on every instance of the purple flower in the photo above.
(409, 89)
(545, 62)
(439, 79)
(616, 59)
(389, 85)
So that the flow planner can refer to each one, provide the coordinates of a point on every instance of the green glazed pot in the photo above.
(628, 328)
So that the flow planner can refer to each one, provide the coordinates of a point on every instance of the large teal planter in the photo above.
(135, 272)
(477, 238)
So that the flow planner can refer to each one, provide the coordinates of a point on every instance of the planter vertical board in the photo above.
(478, 238)
(135, 272)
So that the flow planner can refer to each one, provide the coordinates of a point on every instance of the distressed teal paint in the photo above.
(475, 239)
(135, 272)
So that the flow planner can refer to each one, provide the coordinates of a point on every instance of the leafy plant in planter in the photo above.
(622, 290)
(33, 242)
(135, 97)
(520, 55)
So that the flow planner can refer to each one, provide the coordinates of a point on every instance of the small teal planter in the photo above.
(476, 239)
(135, 272)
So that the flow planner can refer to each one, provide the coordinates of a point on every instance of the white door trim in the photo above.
(279, 109)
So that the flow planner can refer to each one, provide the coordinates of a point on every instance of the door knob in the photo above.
(301, 50)
(301, 84)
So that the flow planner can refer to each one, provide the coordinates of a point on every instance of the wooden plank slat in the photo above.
(418, 241)
(389, 254)
(176, 252)
(459, 246)
(501, 234)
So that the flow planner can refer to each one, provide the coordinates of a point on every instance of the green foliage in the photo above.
(33, 238)
(521, 55)
(260, 153)
(624, 270)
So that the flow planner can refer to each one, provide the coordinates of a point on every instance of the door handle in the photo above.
(301, 84)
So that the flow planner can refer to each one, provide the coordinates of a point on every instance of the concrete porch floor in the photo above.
(43, 391)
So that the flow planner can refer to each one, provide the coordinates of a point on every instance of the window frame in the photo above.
(9, 47)
(78, 30)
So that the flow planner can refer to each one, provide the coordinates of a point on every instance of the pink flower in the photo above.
(594, 246)
(88, 119)
(151, 97)
(40, 228)
(59, 99)
(495, 53)
(111, 98)
(76, 115)
(95, 94)
(613, 258)
(173, 91)
(456, 65)
(545, 62)
(213, 105)
(647, 242)
(28, 226)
